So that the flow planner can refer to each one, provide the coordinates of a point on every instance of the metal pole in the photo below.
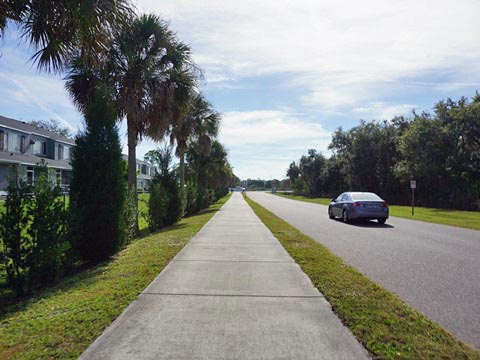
(413, 201)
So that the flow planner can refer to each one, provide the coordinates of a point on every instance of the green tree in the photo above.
(199, 125)
(166, 203)
(97, 232)
(143, 67)
(311, 167)
(60, 29)
(211, 170)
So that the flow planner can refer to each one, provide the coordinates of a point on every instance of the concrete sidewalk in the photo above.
(232, 293)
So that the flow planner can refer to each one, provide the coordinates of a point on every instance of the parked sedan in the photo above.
(358, 205)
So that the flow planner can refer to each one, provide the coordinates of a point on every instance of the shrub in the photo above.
(220, 193)
(97, 185)
(157, 206)
(191, 194)
(47, 230)
(33, 228)
(16, 243)
(166, 205)
(205, 197)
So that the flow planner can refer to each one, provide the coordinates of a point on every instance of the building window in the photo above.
(60, 152)
(66, 152)
(22, 143)
(2, 140)
(40, 147)
(30, 175)
(12, 141)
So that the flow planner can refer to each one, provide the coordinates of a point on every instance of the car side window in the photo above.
(339, 198)
(346, 197)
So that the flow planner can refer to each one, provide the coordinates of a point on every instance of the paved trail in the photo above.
(435, 268)
(232, 293)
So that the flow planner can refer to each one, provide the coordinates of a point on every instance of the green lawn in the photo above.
(63, 321)
(464, 219)
(384, 324)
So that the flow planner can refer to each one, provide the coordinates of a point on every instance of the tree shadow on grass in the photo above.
(83, 274)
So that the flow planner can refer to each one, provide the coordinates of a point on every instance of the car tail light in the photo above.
(355, 204)
(385, 205)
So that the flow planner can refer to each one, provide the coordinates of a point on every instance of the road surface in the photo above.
(435, 268)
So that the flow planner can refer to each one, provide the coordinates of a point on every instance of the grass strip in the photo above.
(463, 219)
(63, 321)
(384, 324)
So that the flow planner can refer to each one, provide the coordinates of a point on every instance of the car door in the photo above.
(346, 200)
(337, 207)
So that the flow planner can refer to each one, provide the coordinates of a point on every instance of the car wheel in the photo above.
(381, 220)
(330, 214)
(345, 216)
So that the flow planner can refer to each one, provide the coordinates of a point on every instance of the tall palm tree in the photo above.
(60, 29)
(199, 125)
(144, 70)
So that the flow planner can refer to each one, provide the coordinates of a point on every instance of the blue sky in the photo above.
(285, 74)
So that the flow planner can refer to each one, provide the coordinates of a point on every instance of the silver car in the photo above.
(358, 205)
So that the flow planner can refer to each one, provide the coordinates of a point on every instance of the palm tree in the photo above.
(199, 125)
(61, 29)
(145, 69)
(212, 169)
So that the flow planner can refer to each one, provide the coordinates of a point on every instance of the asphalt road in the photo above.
(434, 268)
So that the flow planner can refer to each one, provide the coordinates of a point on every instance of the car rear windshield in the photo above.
(366, 197)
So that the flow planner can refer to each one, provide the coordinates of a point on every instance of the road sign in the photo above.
(413, 184)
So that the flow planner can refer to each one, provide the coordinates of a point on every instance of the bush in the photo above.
(191, 195)
(97, 186)
(205, 197)
(32, 229)
(220, 193)
(166, 204)
(157, 206)
(16, 243)
(47, 230)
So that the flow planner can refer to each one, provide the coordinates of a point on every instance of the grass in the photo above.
(64, 320)
(143, 210)
(463, 219)
(384, 324)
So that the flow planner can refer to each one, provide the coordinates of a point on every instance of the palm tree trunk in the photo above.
(132, 165)
(182, 169)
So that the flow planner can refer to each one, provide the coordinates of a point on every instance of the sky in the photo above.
(286, 74)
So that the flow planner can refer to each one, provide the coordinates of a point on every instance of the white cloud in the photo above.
(337, 51)
(383, 111)
(264, 142)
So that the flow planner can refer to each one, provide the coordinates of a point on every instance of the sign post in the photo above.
(413, 186)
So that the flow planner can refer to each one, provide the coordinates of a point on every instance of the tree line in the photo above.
(440, 150)
(117, 65)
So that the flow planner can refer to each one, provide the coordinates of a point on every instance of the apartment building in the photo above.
(24, 145)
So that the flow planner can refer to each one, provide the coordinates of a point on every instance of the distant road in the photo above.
(434, 268)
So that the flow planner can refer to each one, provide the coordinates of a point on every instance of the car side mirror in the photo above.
(333, 200)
